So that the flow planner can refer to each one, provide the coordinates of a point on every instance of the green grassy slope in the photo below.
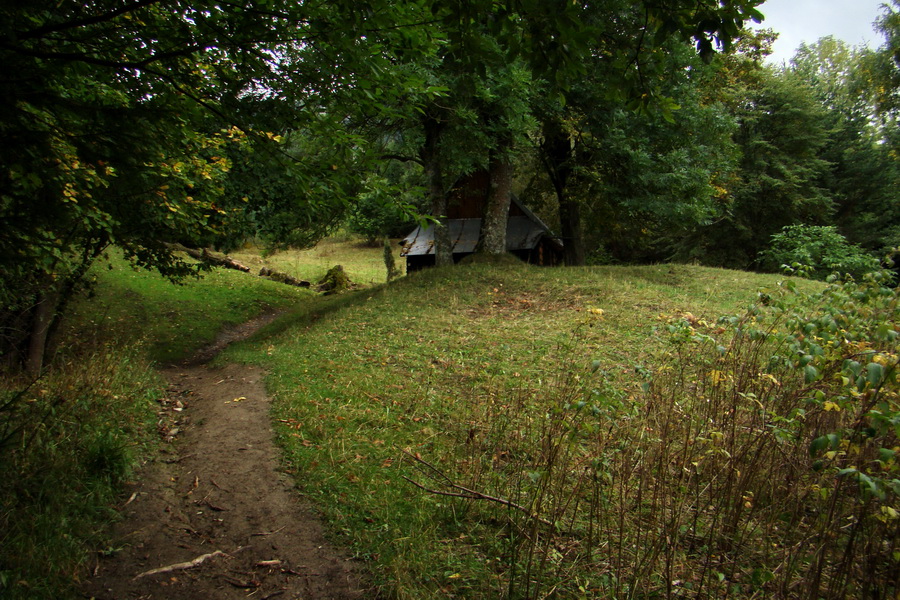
(431, 367)
(69, 440)
(506, 431)
(172, 320)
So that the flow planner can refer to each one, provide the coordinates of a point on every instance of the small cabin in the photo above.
(526, 235)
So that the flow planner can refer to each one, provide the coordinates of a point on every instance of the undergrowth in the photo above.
(69, 440)
(67, 443)
(757, 457)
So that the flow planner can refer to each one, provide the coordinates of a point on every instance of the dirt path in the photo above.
(216, 497)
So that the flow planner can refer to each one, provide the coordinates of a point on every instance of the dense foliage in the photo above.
(121, 120)
(819, 252)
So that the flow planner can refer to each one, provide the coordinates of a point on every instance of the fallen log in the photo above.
(282, 278)
(205, 256)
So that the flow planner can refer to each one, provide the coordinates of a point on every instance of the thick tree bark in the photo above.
(41, 320)
(570, 229)
(557, 152)
(496, 212)
(437, 197)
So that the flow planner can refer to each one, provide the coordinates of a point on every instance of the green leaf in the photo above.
(817, 445)
(875, 374)
(870, 486)
(831, 441)
(895, 486)
(810, 373)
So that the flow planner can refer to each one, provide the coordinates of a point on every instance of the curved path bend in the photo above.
(214, 518)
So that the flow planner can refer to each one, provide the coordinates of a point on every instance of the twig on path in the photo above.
(269, 532)
(213, 481)
(268, 563)
(181, 566)
(299, 574)
(242, 584)
(172, 461)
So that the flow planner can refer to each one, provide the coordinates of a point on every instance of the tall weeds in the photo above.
(757, 458)
(67, 442)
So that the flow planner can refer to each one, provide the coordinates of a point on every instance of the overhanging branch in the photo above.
(57, 27)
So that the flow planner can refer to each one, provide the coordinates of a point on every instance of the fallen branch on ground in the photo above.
(280, 277)
(181, 566)
(464, 492)
(242, 584)
(268, 563)
(269, 532)
(205, 256)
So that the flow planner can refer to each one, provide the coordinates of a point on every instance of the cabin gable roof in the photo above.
(524, 231)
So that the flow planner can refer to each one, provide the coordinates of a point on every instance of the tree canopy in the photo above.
(148, 123)
(121, 120)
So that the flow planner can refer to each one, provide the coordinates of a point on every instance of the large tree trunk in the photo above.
(52, 294)
(437, 197)
(42, 318)
(557, 151)
(570, 226)
(496, 212)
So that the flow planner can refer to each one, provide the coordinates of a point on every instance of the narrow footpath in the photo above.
(213, 518)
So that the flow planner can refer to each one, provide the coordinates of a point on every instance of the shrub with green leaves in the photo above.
(777, 436)
(821, 251)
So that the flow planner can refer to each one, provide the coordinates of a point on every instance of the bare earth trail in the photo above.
(216, 499)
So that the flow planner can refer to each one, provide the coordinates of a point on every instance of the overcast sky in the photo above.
(808, 20)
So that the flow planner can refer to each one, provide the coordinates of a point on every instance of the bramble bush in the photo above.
(776, 439)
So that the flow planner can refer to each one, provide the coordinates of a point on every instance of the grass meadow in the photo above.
(460, 430)
(507, 431)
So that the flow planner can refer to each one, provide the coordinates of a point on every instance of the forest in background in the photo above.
(642, 132)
